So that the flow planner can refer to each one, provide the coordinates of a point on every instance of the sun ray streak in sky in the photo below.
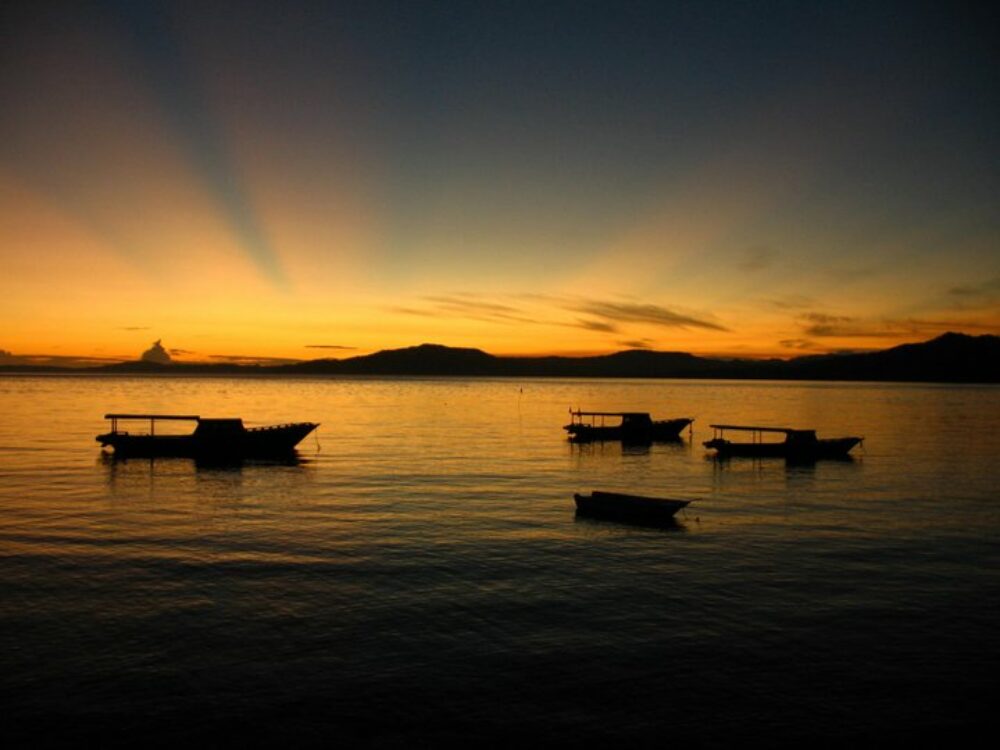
(168, 71)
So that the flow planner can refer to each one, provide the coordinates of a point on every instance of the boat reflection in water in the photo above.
(117, 462)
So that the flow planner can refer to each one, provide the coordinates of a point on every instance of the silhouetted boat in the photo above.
(212, 438)
(618, 505)
(800, 445)
(634, 427)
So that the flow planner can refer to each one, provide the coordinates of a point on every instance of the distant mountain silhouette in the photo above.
(426, 359)
(951, 358)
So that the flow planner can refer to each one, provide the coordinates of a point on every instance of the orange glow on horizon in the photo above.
(171, 181)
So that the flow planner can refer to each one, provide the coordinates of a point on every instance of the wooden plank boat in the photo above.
(633, 427)
(621, 506)
(800, 445)
(212, 438)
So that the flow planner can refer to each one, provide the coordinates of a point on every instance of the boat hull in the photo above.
(659, 431)
(619, 506)
(262, 442)
(812, 450)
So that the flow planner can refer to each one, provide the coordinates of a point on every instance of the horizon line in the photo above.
(83, 362)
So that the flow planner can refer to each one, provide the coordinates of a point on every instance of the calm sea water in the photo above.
(421, 576)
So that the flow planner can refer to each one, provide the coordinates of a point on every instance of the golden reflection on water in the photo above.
(426, 553)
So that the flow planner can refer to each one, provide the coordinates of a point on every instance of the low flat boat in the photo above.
(620, 506)
(801, 445)
(631, 427)
(212, 438)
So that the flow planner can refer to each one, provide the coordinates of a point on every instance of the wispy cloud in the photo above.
(792, 302)
(824, 318)
(468, 306)
(595, 325)
(629, 312)
(873, 331)
(132, 328)
(329, 346)
(757, 258)
(823, 325)
(984, 289)
(467, 300)
(637, 344)
(850, 274)
(422, 312)
(603, 316)
(249, 359)
(952, 325)
(478, 308)
(57, 360)
(797, 344)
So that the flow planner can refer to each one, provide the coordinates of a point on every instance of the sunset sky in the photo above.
(304, 180)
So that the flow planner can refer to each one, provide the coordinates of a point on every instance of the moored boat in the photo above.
(618, 505)
(211, 438)
(802, 445)
(632, 427)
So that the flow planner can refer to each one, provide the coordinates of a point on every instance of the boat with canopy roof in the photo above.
(211, 438)
(630, 427)
(798, 444)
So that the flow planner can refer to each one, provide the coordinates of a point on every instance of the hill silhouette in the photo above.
(950, 358)
(426, 359)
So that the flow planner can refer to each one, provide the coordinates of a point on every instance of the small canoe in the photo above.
(628, 507)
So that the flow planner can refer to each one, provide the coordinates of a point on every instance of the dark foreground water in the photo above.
(420, 576)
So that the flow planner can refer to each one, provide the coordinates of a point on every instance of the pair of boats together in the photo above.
(640, 428)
